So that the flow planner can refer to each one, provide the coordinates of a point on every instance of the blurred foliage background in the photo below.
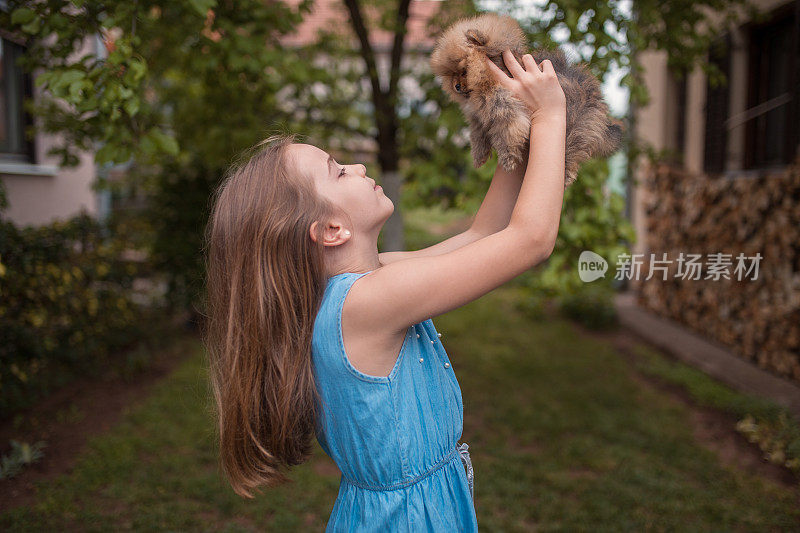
(184, 87)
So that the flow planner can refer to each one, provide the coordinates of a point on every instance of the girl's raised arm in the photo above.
(492, 216)
(406, 292)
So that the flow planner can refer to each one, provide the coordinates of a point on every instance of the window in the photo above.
(676, 113)
(15, 86)
(771, 135)
(680, 128)
(717, 97)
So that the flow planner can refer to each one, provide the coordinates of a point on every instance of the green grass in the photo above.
(771, 426)
(703, 390)
(564, 439)
(419, 221)
(561, 438)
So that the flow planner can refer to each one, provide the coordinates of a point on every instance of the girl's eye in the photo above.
(341, 173)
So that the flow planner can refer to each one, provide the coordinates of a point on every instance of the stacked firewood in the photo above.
(756, 316)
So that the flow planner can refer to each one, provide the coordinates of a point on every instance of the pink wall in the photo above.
(40, 193)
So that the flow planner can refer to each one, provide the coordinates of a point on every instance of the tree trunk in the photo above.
(393, 238)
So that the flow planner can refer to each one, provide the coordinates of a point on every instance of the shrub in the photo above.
(21, 454)
(592, 306)
(67, 305)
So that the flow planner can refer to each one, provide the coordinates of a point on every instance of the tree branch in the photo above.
(367, 53)
(397, 49)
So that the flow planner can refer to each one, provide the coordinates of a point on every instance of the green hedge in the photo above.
(67, 306)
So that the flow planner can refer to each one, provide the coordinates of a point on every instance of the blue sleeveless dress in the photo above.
(393, 437)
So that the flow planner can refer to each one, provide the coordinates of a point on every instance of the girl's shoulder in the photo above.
(337, 286)
(327, 343)
(329, 314)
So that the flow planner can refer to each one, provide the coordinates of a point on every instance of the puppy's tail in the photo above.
(615, 131)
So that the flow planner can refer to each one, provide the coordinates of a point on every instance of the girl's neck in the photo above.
(355, 255)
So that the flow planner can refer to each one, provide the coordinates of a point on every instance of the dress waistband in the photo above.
(461, 450)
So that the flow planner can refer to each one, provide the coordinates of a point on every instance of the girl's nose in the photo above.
(365, 169)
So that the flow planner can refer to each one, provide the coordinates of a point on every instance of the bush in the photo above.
(21, 454)
(67, 305)
(763, 422)
(592, 306)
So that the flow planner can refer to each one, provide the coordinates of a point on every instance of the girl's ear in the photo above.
(332, 235)
(312, 231)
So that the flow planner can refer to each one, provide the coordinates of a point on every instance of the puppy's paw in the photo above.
(508, 160)
(479, 156)
(511, 156)
(479, 162)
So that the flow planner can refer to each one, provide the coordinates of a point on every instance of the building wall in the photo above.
(677, 208)
(41, 192)
(655, 122)
(42, 197)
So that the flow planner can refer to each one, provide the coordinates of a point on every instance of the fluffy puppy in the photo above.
(499, 119)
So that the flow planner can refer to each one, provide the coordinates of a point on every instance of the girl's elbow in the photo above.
(550, 241)
(544, 242)
(549, 246)
(537, 246)
(544, 249)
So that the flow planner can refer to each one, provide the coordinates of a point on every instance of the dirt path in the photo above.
(70, 416)
(713, 429)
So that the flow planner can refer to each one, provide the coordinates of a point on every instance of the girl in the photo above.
(312, 331)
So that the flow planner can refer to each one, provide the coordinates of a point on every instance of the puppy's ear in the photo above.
(475, 38)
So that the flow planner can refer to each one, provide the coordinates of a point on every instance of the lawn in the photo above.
(562, 438)
(564, 435)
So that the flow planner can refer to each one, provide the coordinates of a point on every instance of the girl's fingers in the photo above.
(530, 63)
(511, 64)
(547, 66)
(498, 74)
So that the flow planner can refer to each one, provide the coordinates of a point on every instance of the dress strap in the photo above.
(463, 449)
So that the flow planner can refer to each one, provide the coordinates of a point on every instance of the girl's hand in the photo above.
(538, 89)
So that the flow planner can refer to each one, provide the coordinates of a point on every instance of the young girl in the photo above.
(312, 331)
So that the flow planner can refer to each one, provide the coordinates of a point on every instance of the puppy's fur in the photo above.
(499, 119)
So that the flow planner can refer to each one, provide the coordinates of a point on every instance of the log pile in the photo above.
(756, 318)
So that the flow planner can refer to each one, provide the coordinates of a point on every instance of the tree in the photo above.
(186, 86)
(350, 100)
(130, 103)
(606, 35)
(160, 98)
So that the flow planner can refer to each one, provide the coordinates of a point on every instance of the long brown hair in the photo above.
(265, 280)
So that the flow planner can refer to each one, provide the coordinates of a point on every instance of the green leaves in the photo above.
(131, 107)
(593, 219)
(156, 141)
(106, 154)
(26, 19)
(135, 72)
(22, 16)
(64, 307)
(65, 83)
(110, 96)
(201, 7)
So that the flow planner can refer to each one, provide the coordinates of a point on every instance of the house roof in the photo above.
(333, 13)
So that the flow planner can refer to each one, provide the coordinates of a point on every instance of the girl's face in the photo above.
(346, 186)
